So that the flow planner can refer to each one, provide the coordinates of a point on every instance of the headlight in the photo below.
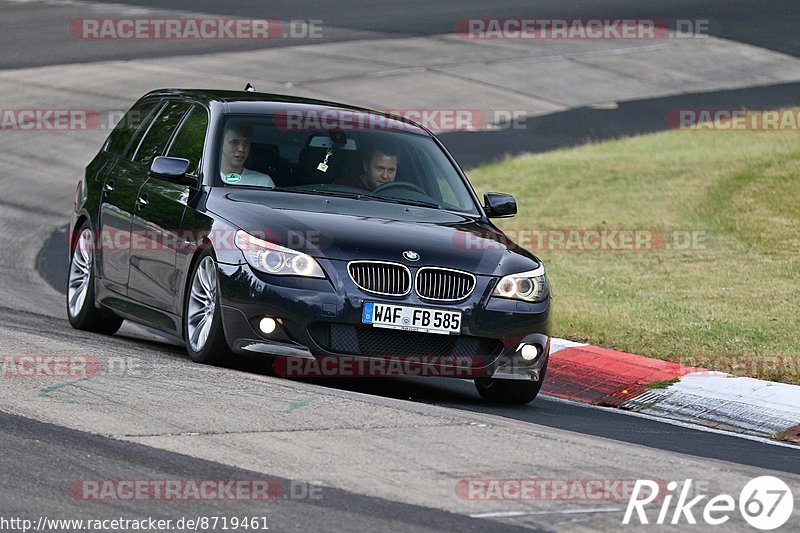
(273, 259)
(528, 286)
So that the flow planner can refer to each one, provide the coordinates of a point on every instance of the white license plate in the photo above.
(411, 318)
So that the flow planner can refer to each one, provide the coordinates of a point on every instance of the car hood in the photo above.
(347, 229)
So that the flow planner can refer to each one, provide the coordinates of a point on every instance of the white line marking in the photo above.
(556, 345)
(698, 427)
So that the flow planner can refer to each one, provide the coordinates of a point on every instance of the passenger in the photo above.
(235, 149)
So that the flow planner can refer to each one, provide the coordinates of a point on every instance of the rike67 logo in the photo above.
(765, 502)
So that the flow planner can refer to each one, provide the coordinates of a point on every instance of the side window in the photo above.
(157, 137)
(188, 142)
(137, 117)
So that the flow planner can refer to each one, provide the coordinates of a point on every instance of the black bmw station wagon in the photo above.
(303, 230)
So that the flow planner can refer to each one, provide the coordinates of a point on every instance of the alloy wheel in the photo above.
(202, 303)
(80, 273)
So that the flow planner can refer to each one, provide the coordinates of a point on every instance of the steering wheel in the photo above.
(400, 185)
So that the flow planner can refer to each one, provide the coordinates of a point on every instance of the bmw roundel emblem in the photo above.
(411, 255)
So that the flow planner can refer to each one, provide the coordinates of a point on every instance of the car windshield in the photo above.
(377, 161)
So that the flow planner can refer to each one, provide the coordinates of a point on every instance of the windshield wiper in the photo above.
(362, 196)
(404, 201)
(320, 192)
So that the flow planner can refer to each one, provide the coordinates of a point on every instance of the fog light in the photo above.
(530, 352)
(267, 325)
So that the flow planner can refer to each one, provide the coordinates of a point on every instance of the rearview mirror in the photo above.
(336, 139)
(499, 205)
(172, 169)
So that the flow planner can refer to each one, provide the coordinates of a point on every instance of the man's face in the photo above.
(381, 169)
(235, 149)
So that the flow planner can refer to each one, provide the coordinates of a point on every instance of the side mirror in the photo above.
(172, 169)
(499, 205)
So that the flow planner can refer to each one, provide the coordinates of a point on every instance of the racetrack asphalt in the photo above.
(574, 127)
(81, 457)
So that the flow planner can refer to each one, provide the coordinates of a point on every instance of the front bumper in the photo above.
(322, 318)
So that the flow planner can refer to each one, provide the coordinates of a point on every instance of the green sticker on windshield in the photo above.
(233, 177)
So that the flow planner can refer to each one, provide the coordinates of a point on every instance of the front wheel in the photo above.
(82, 311)
(202, 317)
(510, 391)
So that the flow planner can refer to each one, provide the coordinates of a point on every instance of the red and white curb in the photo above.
(600, 376)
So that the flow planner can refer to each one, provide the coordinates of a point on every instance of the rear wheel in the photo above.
(508, 390)
(82, 311)
(202, 322)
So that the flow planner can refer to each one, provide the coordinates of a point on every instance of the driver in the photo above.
(379, 168)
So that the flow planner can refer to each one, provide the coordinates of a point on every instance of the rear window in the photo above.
(188, 142)
(155, 140)
(138, 117)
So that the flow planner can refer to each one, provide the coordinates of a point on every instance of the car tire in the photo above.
(82, 310)
(202, 315)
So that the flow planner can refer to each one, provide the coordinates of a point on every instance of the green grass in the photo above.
(661, 383)
(732, 301)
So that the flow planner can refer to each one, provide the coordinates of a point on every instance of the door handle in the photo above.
(142, 202)
(108, 187)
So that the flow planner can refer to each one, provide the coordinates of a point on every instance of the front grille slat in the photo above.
(378, 342)
(377, 277)
(444, 284)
